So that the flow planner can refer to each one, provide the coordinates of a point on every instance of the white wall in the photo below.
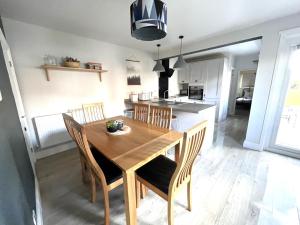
(256, 135)
(67, 90)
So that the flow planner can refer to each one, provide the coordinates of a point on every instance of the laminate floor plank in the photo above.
(231, 186)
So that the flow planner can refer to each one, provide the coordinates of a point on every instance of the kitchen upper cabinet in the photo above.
(184, 75)
(213, 79)
(198, 72)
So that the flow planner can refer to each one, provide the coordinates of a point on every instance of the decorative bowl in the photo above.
(72, 64)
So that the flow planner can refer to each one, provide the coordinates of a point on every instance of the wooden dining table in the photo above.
(131, 151)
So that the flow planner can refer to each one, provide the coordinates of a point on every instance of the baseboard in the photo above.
(252, 146)
(54, 150)
(295, 155)
(38, 204)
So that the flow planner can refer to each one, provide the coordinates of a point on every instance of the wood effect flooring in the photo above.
(231, 186)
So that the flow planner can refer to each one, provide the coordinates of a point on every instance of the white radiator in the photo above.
(51, 130)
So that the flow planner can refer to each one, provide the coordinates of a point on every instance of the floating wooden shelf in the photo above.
(49, 67)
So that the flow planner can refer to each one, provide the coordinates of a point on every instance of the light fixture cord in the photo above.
(180, 47)
(157, 53)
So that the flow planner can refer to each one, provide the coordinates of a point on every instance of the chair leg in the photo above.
(170, 212)
(93, 187)
(189, 195)
(138, 193)
(106, 206)
(144, 191)
(83, 170)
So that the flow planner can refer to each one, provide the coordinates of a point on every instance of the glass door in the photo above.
(288, 132)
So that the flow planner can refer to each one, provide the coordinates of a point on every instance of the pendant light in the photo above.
(158, 66)
(148, 20)
(180, 63)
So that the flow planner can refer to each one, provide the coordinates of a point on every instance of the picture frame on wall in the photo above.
(133, 68)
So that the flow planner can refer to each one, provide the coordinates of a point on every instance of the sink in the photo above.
(174, 103)
(164, 102)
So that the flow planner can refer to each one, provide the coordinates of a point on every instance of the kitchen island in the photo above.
(188, 115)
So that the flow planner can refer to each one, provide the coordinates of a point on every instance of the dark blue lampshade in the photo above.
(148, 20)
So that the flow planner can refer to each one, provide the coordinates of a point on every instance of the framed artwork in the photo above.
(133, 68)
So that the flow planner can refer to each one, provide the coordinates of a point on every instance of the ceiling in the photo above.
(108, 20)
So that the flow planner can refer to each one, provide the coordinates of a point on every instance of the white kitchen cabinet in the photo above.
(214, 75)
(198, 73)
(184, 75)
(213, 79)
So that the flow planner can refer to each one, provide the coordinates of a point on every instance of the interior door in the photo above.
(18, 99)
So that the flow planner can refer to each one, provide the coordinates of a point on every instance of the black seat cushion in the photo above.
(111, 172)
(158, 172)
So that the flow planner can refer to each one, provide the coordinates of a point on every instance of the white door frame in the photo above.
(37, 217)
(288, 40)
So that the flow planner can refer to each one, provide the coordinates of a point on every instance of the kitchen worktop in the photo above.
(176, 106)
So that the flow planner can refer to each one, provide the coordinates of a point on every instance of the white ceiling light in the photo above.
(180, 63)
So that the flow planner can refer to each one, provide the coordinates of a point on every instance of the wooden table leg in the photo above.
(177, 151)
(130, 197)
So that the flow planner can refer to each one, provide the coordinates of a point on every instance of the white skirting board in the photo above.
(54, 150)
(38, 203)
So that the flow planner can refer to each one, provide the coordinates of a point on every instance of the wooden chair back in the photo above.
(192, 145)
(83, 145)
(77, 115)
(141, 112)
(68, 123)
(161, 116)
(93, 112)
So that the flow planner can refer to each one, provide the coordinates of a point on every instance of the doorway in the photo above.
(288, 119)
(244, 92)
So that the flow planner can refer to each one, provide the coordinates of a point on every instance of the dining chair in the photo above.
(102, 170)
(161, 116)
(77, 115)
(68, 123)
(141, 112)
(166, 177)
(93, 112)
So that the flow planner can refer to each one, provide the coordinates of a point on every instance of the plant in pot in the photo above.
(112, 126)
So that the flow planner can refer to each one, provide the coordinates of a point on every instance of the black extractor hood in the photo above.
(168, 71)
(164, 79)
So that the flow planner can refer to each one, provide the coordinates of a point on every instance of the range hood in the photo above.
(168, 71)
